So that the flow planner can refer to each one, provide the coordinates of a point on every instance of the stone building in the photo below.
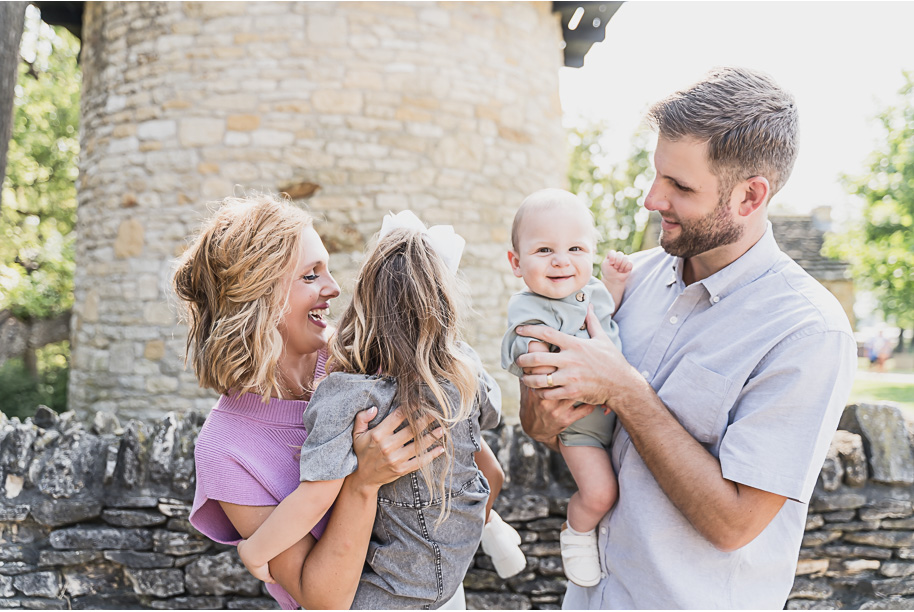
(355, 109)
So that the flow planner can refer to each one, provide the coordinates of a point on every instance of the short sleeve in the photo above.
(327, 453)
(524, 308)
(489, 392)
(787, 414)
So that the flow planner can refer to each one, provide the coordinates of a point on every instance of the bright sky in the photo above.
(842, 61)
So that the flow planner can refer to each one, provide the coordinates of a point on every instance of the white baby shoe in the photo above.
(502, 543)
(580, 557)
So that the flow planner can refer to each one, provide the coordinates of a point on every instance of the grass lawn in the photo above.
(874, 391)
(896, 386)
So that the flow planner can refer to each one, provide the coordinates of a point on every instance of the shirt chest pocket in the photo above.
(695, 395)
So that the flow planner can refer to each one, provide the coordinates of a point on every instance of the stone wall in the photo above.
(94, 516)
(355, 108)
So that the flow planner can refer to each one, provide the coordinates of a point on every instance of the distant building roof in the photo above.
(801, 237)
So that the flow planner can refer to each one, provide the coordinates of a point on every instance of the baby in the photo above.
(553, 241)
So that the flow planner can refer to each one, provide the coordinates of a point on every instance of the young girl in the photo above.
(398, 345)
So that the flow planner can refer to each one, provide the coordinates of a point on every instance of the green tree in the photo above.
(37, 216)
(881, 248)
(615, 193)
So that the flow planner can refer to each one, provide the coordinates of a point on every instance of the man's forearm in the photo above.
(727, 514)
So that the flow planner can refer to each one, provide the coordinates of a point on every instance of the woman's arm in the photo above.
(325, 574)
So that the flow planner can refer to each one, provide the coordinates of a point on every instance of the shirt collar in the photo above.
(750, 266)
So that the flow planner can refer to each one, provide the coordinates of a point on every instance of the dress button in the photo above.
(580, 297)
(674, 319)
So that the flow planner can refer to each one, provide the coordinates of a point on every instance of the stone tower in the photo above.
(357, 109)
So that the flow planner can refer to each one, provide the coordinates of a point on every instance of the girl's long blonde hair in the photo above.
(403, 323)
(233, 281)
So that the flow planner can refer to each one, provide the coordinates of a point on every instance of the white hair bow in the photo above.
(446, 242)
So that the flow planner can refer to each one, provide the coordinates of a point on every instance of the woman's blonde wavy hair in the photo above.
(403, 322)
(232, 281)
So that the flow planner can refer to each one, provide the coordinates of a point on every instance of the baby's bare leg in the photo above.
(539, 347)
(597, 487)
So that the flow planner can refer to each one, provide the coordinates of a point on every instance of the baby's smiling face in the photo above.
(555, 250)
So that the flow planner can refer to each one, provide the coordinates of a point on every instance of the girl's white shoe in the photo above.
(502, 543)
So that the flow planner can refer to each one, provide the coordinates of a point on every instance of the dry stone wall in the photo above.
(94, 516)
(355, 109)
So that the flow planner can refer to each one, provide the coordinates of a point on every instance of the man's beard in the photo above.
(715, 229)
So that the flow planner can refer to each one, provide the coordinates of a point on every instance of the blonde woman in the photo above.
(257, 288)
(398, 344)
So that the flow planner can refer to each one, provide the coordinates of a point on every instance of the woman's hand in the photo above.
(385, 456)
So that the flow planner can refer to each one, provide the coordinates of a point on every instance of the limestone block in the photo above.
(129, 241)
(132, 518)
(836, 501)
(498, 601)
(201, 131)
(818, 538)
(101, 538)
(89, 310)
(336, 101)
(889, 603)
(160, 129)
(849, 447)
(867, 552)
(154, 350)
(811, 566)
(158, 313)
(157, 582)
(189, 603)
(832, 471)
(243, 123)
(38, 584)
(47, 558)
(179, 544)
(15, 450)
(896, 569)
(893, 586)
(804, 588)
(886, 508)
(121, 358)
(221, 574)
(94, 579)
(327, 29)
(890, 539)
(855, 566)
(885, 439)
(6, 586)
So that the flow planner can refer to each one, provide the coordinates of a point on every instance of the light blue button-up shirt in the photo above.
(756, 362)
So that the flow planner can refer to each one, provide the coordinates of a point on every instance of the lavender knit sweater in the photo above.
(247, 454)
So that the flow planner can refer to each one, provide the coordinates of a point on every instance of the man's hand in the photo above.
(585, 369)
(544, 420)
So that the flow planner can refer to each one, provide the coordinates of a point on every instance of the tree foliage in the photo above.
(38, 209)
(615, 193)
(881, 249)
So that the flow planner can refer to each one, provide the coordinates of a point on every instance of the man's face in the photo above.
(695, 216)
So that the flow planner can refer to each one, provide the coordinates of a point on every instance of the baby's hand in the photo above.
(616, 268)
(260, 572)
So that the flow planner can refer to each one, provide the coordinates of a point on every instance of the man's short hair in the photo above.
(751, 125)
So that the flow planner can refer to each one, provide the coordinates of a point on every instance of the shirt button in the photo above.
(645, 373)
(674, 319)
(580, 297)
(715, 299)
(603, 530)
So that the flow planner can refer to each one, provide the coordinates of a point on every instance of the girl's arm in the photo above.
(289, 522)
(490, 468)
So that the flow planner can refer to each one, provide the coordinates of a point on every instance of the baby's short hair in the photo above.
(545, 199)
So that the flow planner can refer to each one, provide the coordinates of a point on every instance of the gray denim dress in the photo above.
(411, 563)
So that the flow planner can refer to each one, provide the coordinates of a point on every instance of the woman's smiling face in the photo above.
(304, 326)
